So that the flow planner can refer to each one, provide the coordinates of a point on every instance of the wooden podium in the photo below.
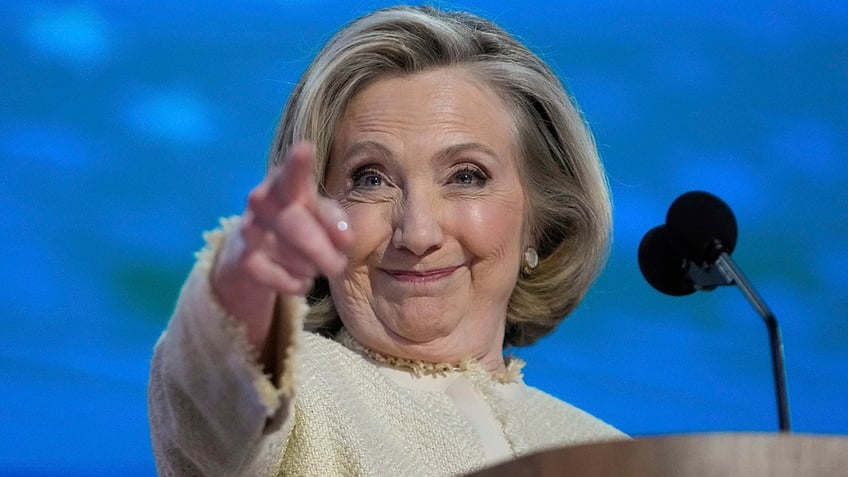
(746, 455)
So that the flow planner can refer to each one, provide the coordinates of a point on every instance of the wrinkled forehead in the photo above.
(447, 106)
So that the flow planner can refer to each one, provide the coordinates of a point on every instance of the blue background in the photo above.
(127, 128)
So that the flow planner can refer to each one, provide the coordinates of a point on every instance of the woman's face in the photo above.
(426, 169)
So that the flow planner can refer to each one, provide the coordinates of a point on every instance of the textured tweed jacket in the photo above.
(330, 410)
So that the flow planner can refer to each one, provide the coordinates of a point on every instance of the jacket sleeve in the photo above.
(212, 409)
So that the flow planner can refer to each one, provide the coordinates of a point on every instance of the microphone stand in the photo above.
(726, 272)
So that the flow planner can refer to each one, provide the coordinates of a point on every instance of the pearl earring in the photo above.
(531, 260)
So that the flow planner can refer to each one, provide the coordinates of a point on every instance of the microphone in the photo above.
(675, 258)
(705, 223)
(691, 252)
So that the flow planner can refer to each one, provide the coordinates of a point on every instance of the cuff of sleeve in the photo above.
(227, 336)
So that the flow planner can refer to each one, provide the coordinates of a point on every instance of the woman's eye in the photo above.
(367, 178)
(470, 176)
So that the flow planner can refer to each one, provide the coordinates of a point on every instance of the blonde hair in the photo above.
(569, 217)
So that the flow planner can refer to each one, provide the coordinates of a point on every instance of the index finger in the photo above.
(295, 181)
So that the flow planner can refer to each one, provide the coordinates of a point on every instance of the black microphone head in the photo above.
(663, 262)
(705, 225)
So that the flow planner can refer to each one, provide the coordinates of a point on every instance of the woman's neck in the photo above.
(497, 367)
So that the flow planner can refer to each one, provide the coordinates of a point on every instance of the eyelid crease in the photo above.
(363, 171)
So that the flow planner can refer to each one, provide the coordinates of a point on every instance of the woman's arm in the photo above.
(210, 401)
(221, 377)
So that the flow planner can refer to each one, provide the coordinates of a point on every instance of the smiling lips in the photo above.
(421, 276)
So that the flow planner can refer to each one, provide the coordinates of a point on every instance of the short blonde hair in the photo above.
(569, 217)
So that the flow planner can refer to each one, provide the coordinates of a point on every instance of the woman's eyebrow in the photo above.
(369, 147)
(374, 148)
(457, 149)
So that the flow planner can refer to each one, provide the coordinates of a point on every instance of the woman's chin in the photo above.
(419, 340)
(421, 332)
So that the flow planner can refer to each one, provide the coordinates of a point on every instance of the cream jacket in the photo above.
(331, 410)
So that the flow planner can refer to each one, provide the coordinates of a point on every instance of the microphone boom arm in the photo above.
(726, 272)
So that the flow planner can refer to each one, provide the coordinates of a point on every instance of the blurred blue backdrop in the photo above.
(127, 128)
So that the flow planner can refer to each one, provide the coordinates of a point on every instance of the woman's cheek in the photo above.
(371, 228)
(495, 221)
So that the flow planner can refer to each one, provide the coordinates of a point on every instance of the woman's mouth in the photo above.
(421, 276)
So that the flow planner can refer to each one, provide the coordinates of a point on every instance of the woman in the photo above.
(433, 197)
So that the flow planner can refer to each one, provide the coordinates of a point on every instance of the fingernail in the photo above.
(341, 225)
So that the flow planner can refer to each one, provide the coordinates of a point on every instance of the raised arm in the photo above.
(213, 408)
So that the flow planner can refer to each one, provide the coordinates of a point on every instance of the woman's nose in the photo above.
(417, 226)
